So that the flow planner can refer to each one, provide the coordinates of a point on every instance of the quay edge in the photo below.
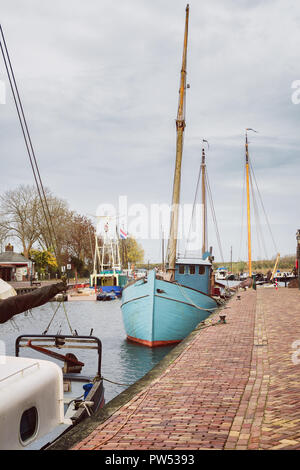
(71, 437)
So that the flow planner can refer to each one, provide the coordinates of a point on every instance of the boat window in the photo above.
(181, 269)
(201, 269)
(192, 269)
(29, 424)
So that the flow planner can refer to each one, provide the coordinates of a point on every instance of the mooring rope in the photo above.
(193, 303)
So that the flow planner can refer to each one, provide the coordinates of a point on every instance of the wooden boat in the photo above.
(164, 309)
(246, 278)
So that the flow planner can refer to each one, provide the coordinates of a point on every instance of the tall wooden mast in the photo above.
(204, 209)
(180, 126)
(248, 206)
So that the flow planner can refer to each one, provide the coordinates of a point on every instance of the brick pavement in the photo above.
(235, 386)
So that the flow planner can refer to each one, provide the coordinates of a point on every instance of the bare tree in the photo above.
(3, 236)
(18, 213)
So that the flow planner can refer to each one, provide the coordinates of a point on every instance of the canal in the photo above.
(122, 362)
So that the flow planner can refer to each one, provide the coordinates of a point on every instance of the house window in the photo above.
(181, 269)
(192, 269)
(201, 269)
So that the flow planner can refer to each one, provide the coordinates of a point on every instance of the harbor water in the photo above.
(122, 362)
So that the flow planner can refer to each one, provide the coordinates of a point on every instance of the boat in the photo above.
(284, 275)
(249, 279)
(105, 296)
(81, 293)
(164, 308)
(108, 276)
(6, 290)
(38, 398)
(222, 274)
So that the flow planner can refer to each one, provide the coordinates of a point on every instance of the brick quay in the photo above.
(232, 385)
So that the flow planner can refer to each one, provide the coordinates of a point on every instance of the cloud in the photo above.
(99, 84)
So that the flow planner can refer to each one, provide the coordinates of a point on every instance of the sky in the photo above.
(99, 84)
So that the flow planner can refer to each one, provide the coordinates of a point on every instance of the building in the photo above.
(14, 266)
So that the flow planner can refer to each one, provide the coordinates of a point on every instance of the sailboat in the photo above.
(164, 309)
(248, 281)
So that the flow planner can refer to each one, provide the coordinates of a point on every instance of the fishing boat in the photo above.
(166, 307)
(108, 276)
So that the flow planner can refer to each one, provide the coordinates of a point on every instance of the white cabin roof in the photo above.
(12, 366)
(197, 261)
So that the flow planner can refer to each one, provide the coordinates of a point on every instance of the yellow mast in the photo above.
(248, 202)
(180, 126)
(248, 207)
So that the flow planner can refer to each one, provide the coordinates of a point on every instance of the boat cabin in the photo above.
(194, 273)
(109, 277)
(31, 397)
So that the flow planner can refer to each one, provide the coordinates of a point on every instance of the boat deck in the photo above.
(232, 385)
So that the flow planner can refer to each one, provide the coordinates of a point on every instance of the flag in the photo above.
(123, 234)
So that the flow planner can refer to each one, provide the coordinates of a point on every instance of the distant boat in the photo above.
(166, 307)
(249, 177)
(222, 274)
(108, 276)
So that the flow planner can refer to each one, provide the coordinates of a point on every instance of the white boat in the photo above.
(38, 399)
(221, 274)
(85, 293)
(31, 401)
(6, 290)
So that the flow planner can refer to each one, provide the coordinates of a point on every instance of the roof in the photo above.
(13, 258)
(196, 261)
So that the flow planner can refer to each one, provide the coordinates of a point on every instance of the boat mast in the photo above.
(204, 214)
(180, 126)
(248, 207)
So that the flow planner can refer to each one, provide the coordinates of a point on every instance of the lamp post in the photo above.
(298, 256)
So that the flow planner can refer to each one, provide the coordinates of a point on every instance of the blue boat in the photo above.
(158, 312)
(166, 307)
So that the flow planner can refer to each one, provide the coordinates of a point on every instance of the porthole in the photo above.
(28, 424)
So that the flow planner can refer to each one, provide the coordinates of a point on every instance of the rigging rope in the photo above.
(66, 315)
(193, 210)
(214, 216)
(242, 218)
(28, 143)
(263, 207)
(259, 232)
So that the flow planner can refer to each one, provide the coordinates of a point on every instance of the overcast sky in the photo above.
(99, 82)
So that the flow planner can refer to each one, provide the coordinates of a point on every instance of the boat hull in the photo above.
(158, 313)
